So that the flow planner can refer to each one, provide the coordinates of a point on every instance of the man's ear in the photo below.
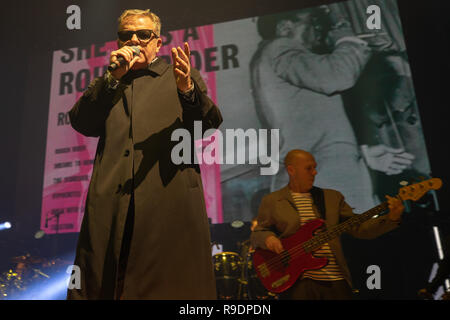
(284, 28)
(290, 170)
(158, 44)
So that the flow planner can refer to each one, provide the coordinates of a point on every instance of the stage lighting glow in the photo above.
(54, 289)
(437, 238)
(5, 225)
(51, 287)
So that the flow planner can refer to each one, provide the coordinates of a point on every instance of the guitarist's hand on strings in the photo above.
(274, 244)
(396, 208)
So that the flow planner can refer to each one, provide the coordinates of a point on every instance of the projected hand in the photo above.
(381, 43)
(127, 53)
(385, 159)
(340, 30)
(182, 67)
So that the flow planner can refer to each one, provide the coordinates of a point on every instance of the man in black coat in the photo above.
(145, 232)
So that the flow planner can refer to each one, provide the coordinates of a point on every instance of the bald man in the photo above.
(283, 212)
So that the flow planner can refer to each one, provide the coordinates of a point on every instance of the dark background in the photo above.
(32, 30)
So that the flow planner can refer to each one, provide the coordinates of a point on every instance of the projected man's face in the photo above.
(303, 30)
(148, 48)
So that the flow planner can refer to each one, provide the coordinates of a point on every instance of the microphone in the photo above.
(121, 60)
(370, 35)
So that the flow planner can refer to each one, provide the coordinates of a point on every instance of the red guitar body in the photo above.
(278, 272)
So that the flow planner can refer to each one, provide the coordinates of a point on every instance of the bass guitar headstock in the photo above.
(416, 191)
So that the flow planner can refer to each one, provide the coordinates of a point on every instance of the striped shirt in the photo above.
(331, 272)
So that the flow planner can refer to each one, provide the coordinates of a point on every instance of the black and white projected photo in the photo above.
(354, 109)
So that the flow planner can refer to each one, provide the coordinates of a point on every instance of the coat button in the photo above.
(127, 153)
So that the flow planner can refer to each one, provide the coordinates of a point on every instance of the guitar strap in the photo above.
(319, 200)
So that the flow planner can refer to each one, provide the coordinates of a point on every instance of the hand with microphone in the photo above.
(341, 30)
(123, 60)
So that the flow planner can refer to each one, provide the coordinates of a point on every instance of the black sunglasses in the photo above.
(142, 35)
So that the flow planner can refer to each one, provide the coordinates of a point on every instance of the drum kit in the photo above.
(26, 272)
(236, 279)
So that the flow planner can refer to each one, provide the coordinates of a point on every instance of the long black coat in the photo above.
(170, 253)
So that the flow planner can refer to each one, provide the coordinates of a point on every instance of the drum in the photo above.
(227, 269)
(12, 285)
(255, 289)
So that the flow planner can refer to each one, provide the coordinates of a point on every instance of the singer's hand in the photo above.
(182, 67)
(128, 54)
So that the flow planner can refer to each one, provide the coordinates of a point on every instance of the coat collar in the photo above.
(285, 194)
(158, 66)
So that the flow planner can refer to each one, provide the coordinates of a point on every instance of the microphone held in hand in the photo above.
(121, 60)
(371, 35)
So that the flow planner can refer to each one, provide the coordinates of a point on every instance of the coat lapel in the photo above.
(285, 194)
(159, 66)
(156, 68)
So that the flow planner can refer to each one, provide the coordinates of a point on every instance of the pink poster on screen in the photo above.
(70, 155)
